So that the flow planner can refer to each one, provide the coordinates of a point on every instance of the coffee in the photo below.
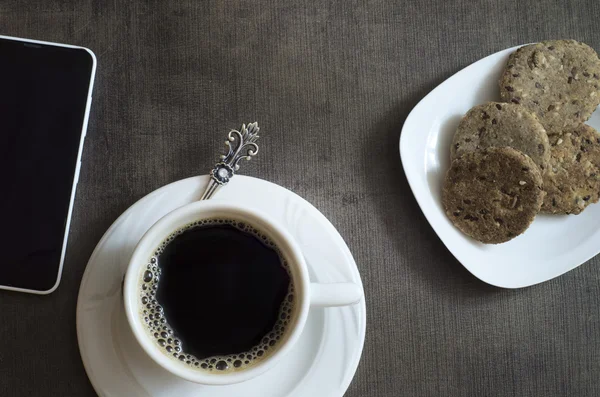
(217, 295)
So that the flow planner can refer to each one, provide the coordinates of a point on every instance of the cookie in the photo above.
(502, 124)
(493, 194)
(572, 179)
(557, 80)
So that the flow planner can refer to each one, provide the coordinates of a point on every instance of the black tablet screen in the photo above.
(43, 96)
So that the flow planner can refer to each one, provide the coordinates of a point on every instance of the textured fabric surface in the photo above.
(331, 83)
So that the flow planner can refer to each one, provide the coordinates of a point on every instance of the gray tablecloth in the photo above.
(331, 83)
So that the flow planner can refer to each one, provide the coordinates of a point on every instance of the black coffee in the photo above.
(217, 295)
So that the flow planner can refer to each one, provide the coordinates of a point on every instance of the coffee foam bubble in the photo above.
(157, 327)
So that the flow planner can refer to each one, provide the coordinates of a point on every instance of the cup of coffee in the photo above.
(217, 293)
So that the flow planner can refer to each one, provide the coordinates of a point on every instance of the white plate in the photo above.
(553, 245)
(326, 356)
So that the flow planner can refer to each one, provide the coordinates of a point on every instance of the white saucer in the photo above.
(326, 356)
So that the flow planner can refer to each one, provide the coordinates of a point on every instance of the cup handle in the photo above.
(334, 294)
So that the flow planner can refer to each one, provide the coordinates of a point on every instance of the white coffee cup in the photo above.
(307, 294)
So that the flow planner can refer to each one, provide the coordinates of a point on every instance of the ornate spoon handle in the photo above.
(241, 145)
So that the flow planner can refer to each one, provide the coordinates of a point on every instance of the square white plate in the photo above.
(553, 244)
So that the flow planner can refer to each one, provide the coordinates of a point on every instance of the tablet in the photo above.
(45, 98)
